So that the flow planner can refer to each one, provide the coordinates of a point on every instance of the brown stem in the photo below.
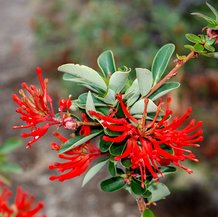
(141, 204)
(83, 123)
(171, 73)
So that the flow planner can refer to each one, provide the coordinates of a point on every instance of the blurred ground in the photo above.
(17, 63)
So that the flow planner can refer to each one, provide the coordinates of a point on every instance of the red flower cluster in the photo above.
(78, 158)
(37, 108)
(147, 143)
(23, 205)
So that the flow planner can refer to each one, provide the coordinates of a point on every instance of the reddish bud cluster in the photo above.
(211, 33)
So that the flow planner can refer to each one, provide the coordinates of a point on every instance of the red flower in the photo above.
(23, 205)
(147, 141)
(36, 108)
(211, 33)
(78, 159)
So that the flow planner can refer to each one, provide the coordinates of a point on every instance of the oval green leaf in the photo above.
(161, 61)
(193, 38)
(90, 106)
(106, 63)
(112, 184)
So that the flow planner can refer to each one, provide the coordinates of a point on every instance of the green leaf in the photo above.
(209, 48)
(208, 19)
(10, 168)
(148, 213)
(126, 162)
(112, 168)
(93, 171)
(109, 98)
(118, 81)
(138, 107)
(90, 106)
(117, 149)
(81, 101)
(78, 140)
(164, 89)
(104, 146)
(112, 184)
(106, 63)
(168, 170)
(159, 192)
(198, 47)
(136, 187)
(190, 47)
(10, 145)
(161, 61)
(145, 80)
(193, 38)
(215, 12)
(84, 74)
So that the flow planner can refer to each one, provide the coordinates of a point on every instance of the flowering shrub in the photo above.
(122, 123)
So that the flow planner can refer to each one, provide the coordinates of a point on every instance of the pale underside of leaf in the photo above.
(93, 171)
(138, 107)
(84, 73)
(145, 80)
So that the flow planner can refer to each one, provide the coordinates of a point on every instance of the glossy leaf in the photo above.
(161, 61)
(112, 168)
(190, 47)
(138, 107)
(147, 213)
(104, 146)
(164, 89)
(159, 192)
(136, 187)
(145, 80)
(78, 140)
(106, 63)
(83, 73)
(118, 81)
(112, 184)
(10, 145)
(117, 149)
(193, 38)
(126, 162)
(93, 171)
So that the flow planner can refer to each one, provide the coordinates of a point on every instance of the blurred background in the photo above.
(50, 33)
